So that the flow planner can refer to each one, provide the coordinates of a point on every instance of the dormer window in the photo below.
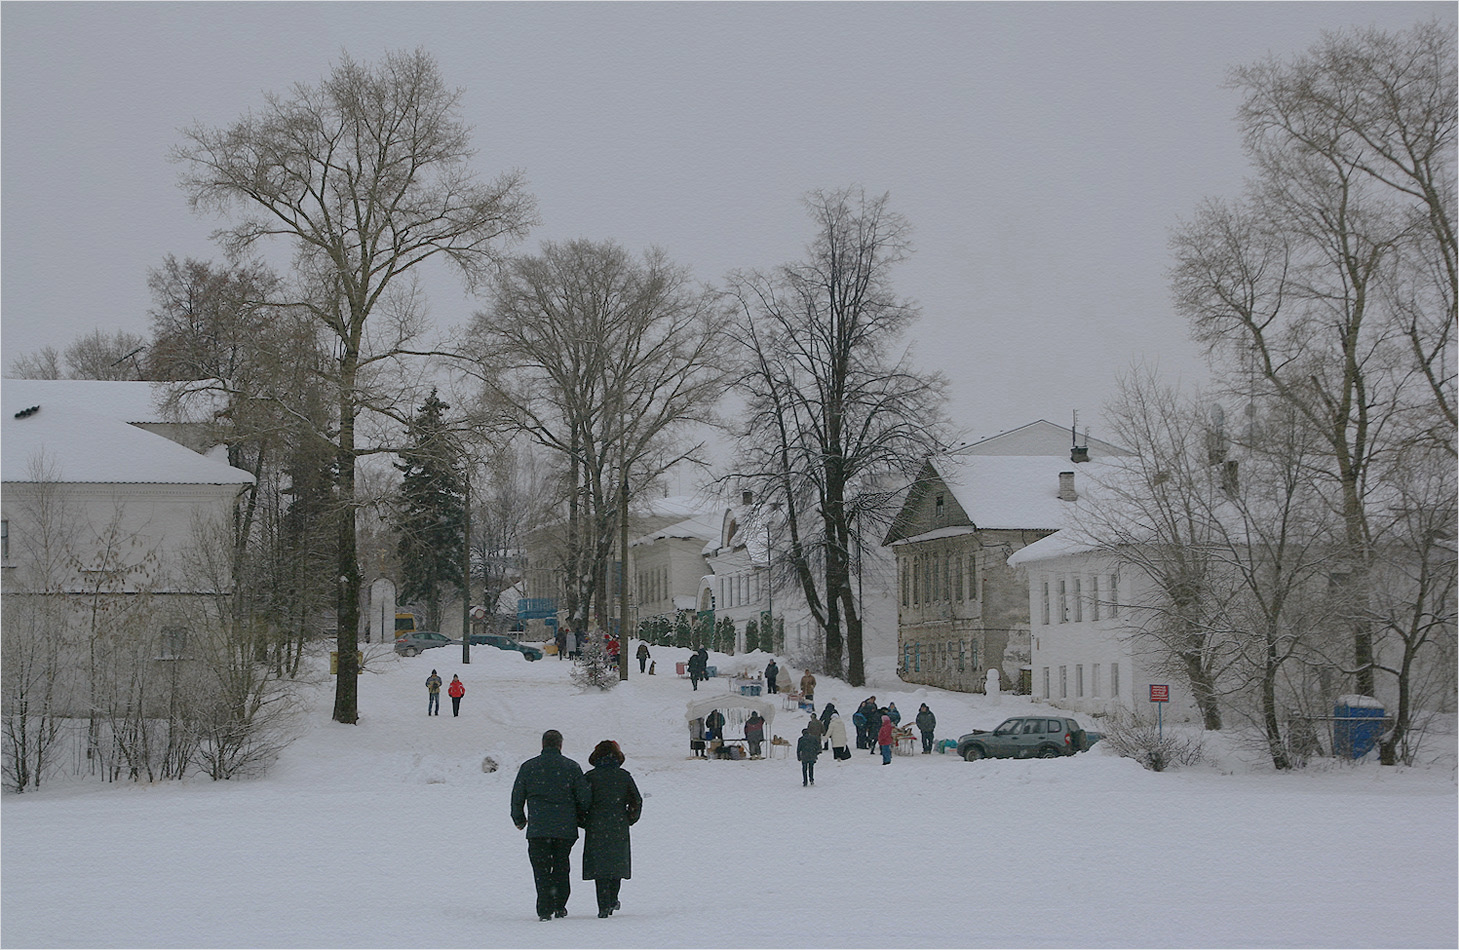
(941, 508)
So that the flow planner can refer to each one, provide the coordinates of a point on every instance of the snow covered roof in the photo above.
(1056, 545)
(700, 527)
(1010, 491)
(124, 400)
(74, 441)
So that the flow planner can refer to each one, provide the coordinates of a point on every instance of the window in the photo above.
(1063, 616)
(172, 643)
(1063, 682)
(1094, 600)
(1046, 682)
(1079, 680)
(947, 578)
(972, 577)
(1078, 600)
(1114, 595)
(1094, 680)
(962, 664)
(1114, 679)
(904, 582)
(959, 572)
(947, 656)
(916, 580)
(973, 649)
(1045, 611)
(941, 509)
(5, 539)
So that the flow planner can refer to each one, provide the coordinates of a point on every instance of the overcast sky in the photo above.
(1042, 152)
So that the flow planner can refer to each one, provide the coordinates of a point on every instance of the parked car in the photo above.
(414, 642)
(1027, 737)
(503, 642)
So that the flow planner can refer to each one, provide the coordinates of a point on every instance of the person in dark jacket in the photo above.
(771, 671)
(926, 723)
(607, 853)
(755, 733)
(806, 751)
(561, 641)
(714, 725)
(550, 799)
(698, 667)
(866, 728)
(643, 655)
(433, 694)
(895, 713)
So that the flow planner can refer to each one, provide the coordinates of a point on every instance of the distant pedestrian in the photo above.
(696, 738)
(808, 686)
(806, 751)
(827, 711)
(836, 733)
(714, 725)
(755, 733)
(433, 694)
(616, 804)
(550, 799)
(456, 690)
(613, 648)
(866, 730)
(815, 728)
(698, 667)
(561, 641)
(643, 656)
(884, 740)
(771, 671)
(894, 713)
(926, 723)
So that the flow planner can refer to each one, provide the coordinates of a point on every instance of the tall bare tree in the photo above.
(1332, 281)
(367, 176)
(834, 406)
(96, 355)
(604, 359)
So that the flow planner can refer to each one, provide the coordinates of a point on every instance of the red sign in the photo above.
(1159, 694)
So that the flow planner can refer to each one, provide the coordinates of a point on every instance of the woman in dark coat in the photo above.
(616, 805)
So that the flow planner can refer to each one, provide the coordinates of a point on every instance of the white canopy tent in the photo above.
(700, 707)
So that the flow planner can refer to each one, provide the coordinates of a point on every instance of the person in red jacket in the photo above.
(884, 740)
(456, 690)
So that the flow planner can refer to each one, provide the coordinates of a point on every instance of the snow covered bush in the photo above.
(1142, 741)
(595, 668)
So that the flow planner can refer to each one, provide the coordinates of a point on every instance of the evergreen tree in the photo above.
(431, 514)
(595, 668)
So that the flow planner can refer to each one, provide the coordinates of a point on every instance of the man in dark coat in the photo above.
(926, 723)
(643, 656)
(807, 750)
(771, 671)
(698, 667)
(607, 851)
(755, 733)
(866, 728)
(550, 798)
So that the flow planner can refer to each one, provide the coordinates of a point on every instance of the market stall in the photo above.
(736, 708)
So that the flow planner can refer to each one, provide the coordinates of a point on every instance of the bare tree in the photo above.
(94, 355)
(1332, 282)
(833, 407)
(366, 175)
(604, 360)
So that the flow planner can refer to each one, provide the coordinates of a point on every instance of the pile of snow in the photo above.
(394, 833)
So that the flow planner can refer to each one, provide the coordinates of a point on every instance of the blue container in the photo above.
(1357, 726)
(711, 671)
(752, 689)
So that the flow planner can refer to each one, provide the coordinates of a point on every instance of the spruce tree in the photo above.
(431, 515)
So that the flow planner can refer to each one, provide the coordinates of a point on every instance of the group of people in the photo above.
(456, 690)
(552, 798)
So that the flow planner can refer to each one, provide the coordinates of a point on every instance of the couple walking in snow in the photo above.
(456, 690)
(552, 798)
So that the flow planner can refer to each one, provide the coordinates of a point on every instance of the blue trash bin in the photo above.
(1357, 725)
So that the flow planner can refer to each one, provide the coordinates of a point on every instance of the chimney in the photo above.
(1066, 487)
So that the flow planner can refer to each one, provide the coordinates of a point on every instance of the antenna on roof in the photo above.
(133, 357)
(1077, 452)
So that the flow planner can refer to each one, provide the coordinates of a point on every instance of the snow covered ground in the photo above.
(389, 834)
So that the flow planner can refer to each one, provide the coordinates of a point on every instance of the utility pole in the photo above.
(623, 570)
(466, 561)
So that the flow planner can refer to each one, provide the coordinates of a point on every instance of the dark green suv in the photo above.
(1026, 737)
(503, 642)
